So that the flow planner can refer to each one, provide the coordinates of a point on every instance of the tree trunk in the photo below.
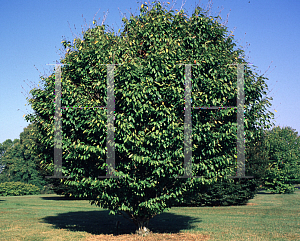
(142, 225)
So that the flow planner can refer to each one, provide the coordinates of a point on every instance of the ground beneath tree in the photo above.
(154, 236)
(151, 237)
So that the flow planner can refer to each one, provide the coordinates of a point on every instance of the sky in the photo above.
(32, 31)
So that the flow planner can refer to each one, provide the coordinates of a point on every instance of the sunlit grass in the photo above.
(50, 217)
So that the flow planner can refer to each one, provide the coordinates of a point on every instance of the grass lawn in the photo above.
(51, 217)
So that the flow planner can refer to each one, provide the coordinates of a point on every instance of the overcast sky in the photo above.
(32, 31)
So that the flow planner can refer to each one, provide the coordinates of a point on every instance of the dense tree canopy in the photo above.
(21, 164)
(3, 148)
(283, 148)
(149, 92)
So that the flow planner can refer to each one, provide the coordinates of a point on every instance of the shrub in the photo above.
(48, 189)
(277, 182)
(224, 193)
(18, 189)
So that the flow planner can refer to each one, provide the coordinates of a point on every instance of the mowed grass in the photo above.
(51, 217)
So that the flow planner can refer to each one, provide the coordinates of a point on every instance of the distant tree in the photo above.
(3, 148)
(21, 164)
(283, 147)
(149, 111)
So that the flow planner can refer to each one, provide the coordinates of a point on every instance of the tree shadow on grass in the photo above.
(100, 222)
(61, 198)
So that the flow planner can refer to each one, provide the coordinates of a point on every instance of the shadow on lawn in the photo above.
(60, 198)
(100, 222)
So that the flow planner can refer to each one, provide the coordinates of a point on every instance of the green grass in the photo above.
(51, 217)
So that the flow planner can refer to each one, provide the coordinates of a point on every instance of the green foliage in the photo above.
(283, 146)
(229, 192)
(18, 189)
(21, 164)
(3, 148)
(60, 188)
(6, 145)
(149, 110)
(48, 189)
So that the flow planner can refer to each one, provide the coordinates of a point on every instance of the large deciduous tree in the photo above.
(149, 110)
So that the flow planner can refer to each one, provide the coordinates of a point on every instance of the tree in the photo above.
(21, 165)
(283, 147)
(149, 111)
(3, 148)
